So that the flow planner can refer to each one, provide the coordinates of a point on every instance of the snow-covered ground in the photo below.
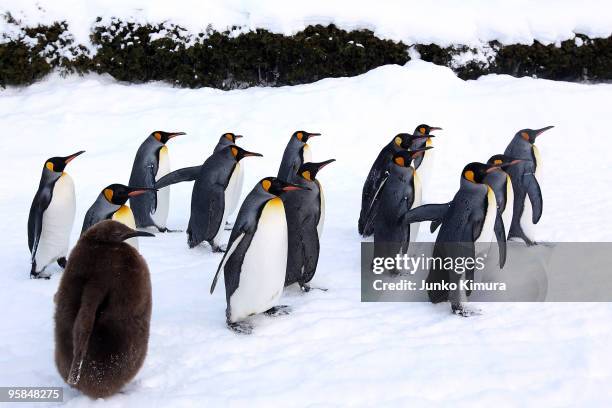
(332, 350)
(443, 22)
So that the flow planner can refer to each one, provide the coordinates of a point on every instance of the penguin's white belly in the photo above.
(509, 210)
(160, 216)
(56, 223)
(322, 211)
(262, 276)
(418, 199)
(125, 216)
(307, 154)
(426, 167)
(527, 219)
(487, 235)
(234, 189)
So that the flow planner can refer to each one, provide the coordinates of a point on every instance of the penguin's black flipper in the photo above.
(535, 196)
(231, 247)
(427, 212)
(311, 249)
(500, 234)
(372, 208)
(370, 187)
(178, 176)
(35, 219)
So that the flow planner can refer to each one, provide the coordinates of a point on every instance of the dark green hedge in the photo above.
(231, 59)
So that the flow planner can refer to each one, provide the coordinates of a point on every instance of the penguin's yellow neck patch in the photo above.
(428, 143)
(163, 150)
(124, 215)
(275, 203)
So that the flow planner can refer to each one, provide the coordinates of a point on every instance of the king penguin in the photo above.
(110, 205)
(296, 153)
(305, 217)
(210, 196)
(235, 187)
(255, 263)
(378, 172)
(51, 216)
(528, 202)
(469, 219)
(151, 163)
(425, 163)
(501, 184)
(399, 192)
(103, 311)
(226, 139)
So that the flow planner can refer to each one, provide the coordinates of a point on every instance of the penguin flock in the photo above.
(497, 200)
(102, 312)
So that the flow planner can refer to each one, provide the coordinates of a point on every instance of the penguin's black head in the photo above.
(303, 136)
(424, 129)
(118, 194)
(277, 186)
(404, 140)
(501, 160)
(163, 137)
(58, 164)
(239, 153)
(476, 172)
(529, 135)
(110, 231)
(308, 171)
(231, 137)
(404, 158)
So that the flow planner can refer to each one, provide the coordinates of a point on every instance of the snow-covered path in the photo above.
(332, 349)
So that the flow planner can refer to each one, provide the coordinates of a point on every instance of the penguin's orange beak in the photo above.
(431, 128)
(313, 134)
(238, 136)
(68, 159)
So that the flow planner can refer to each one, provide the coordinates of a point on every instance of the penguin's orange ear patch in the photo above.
(108, 194)
(422, 130)
(306, 175)
(497, 161)
(49, 165)
(234, 151)
(399, 161)
(469, 175)
(157, 135)
(525, 135)
(229, 137)
(300, 136)
(398, 140)
(266, 184)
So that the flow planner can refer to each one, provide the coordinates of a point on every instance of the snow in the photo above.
(332, 350)
(443, 22)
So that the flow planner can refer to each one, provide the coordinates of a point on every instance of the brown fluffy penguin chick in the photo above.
(103, 311)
